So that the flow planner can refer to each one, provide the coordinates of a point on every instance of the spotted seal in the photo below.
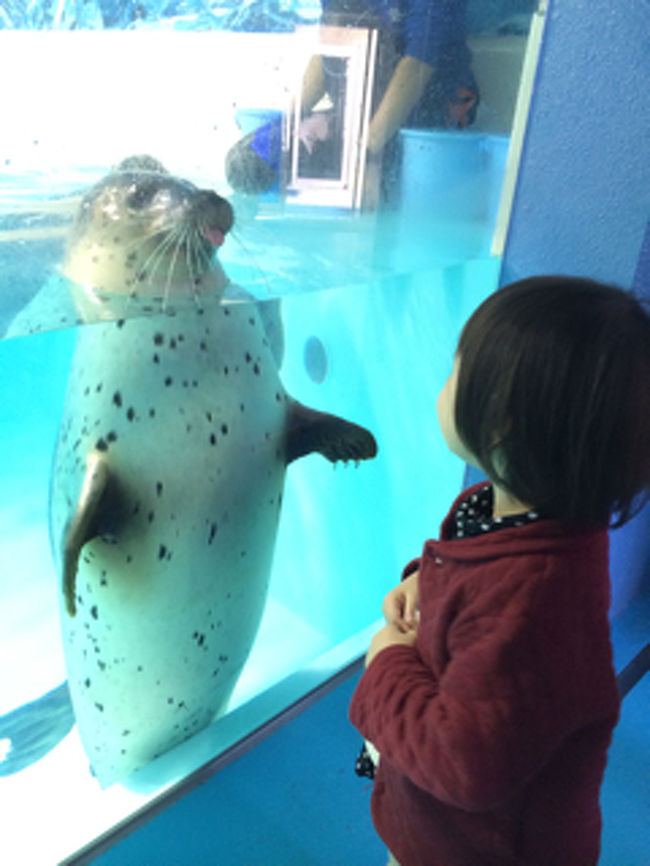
(169, 469)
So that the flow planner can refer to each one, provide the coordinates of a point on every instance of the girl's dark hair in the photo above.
(553, 396)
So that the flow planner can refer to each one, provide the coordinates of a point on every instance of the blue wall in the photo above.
(583, 195)
(582, 201)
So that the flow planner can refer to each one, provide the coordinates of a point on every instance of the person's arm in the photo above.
(404, 91)
(515, 687)
(313, 84)
(470, 740)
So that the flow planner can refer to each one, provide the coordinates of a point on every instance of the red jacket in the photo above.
(493, 729)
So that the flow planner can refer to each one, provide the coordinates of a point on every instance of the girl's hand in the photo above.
(387, 636)
(400, 605)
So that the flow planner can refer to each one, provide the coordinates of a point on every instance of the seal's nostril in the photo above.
(315, 360)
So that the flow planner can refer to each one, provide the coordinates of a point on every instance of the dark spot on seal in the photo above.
(101, 445)
(213, 439)
(159, 339)
(117, 399)
(100, 707)
(213, 532)
(256, 369)
(93, 612)
(224, 429)
(130, 413)
(162, 551)
(159, 488)
(168, 381)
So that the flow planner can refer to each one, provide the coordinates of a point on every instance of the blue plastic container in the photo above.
(452, 175)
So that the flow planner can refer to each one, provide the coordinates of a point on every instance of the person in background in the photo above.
(490, 694)
(423, 79)
(424, 75)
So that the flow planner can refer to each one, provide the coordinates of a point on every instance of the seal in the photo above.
(144, 238)
(169, 469)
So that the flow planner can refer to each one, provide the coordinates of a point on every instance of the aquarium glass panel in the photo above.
(237, 246)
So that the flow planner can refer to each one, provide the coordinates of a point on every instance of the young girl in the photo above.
(490, 694)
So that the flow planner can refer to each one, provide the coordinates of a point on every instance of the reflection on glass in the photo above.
(321, 135)
(331, 119)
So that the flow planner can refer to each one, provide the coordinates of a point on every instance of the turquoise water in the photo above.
(384, 338)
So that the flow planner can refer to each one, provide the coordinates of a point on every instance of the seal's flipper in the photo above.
(83, 523)
(333, 437)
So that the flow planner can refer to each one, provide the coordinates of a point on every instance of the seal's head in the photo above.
(142, 234)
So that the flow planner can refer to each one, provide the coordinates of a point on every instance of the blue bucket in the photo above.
(452, 175)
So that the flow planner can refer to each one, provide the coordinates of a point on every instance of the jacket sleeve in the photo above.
(473, 736)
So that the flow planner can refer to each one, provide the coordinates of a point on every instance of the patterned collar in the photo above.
(474, 515)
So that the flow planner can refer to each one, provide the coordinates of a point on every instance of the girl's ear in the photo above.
(498, 459)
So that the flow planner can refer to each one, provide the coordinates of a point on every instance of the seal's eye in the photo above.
(140, 195)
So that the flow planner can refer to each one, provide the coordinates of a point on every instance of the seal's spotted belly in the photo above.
(169, 594)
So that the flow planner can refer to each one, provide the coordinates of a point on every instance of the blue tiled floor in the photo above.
(295, 801)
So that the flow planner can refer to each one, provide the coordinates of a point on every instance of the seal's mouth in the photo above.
(212, 215)
(215, 236)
